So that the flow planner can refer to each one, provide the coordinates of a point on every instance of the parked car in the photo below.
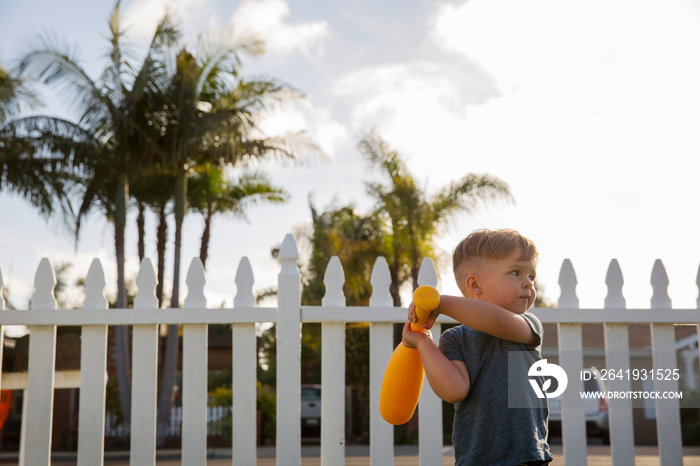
(596, 408)
(311, 410)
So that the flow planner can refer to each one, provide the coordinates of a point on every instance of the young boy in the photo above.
(495, 271)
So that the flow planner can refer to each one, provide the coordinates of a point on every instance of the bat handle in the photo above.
(425, 298)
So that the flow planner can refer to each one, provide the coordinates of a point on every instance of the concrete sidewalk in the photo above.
(358, 455)
(598, 455)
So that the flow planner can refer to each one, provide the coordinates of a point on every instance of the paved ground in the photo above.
(357, 455)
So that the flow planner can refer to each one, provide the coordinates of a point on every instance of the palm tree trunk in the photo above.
(122, 332)
(415, 255)
(172, 341)
(206, 235)
(180, 209)
(396, 296)
(141, 226)
(161, 240)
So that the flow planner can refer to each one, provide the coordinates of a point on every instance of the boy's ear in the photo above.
(472, 285)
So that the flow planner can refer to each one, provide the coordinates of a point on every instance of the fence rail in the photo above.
(115, 428)
(43, 318)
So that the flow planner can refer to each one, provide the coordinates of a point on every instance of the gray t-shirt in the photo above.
(487, 429)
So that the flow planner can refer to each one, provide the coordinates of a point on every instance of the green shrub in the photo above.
(266, 404)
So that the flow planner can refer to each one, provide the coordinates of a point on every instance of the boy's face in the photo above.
(508, 282)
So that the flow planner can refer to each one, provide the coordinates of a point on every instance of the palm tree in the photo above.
(111, 142)
(414, 218)
(210, 114)
(356, 238)
(210, 192)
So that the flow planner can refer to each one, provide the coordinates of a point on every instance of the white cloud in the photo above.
(422, 109)
(543, 42)
(327, 132)
(317, 122)
(142, 16)
(268, 18)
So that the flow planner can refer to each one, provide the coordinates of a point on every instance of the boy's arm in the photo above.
(488, 318)
(482, 316)
(449, 379)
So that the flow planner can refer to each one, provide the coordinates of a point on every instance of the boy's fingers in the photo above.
(432, 317)
(406, 330)
(412, 313)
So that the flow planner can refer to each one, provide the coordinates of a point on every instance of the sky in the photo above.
(589, 111)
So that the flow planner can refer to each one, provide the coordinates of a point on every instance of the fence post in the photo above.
(289, 356)
(244, 377)
(617, 355)
(194, 370)
(430, 406)
(145, 372)
(381, 345)
(36, 426)
(93, 374)
(333, 370)
(663, 354)
(573, 422)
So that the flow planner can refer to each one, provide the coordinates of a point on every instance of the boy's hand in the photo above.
(411, 338)
(428, 324)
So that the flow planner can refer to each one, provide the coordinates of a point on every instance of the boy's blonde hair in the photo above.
(489, 245)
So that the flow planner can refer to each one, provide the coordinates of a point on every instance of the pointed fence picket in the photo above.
(244, 348)
(194, 364)
(663, 342)
(289, 355)
(573, 421)
(617, 355)
(40, 379)
(333, 370)
(93, 361)
(429, 405)
(144, 371)
(43, 318)
(381, 345)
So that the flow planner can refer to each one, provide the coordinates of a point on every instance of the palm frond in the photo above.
(220, 50)
(36, 163)
(49, 60)
(14, 93)
(379, 154)
(467, 194)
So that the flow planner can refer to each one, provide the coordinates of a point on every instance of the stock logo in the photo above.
(549, 372)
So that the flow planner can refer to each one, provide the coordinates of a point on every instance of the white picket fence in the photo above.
(94, 318)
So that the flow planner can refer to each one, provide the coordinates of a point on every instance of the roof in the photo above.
(593, 335)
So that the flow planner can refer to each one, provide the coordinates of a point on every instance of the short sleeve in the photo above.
(450, 345)
(536, 326)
